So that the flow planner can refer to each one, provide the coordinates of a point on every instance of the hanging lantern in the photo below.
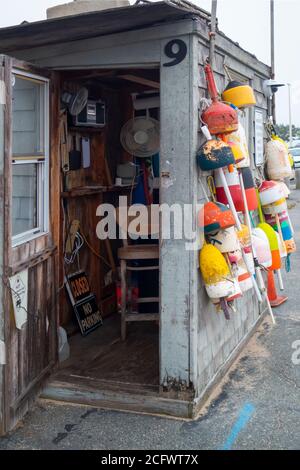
(239, 94)
(214, 216)
(219, 117)
(214, 154)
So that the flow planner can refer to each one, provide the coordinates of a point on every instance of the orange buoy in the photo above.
(219, 117)
(214, 216)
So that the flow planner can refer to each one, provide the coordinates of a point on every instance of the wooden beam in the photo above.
(140, 80)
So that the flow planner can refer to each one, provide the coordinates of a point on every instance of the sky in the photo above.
(244, 21)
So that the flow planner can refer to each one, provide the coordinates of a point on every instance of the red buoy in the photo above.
(219, 117)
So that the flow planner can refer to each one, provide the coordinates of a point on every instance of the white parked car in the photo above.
(295, 152)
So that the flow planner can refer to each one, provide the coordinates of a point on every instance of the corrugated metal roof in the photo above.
(99, 23)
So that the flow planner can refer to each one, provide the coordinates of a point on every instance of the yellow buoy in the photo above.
(239, 94)
(213, 265)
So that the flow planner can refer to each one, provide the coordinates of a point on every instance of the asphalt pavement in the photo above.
(257, 405)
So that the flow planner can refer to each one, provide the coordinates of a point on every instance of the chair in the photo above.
(129, 253)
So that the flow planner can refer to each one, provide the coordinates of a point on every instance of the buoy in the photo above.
(282, 247)
(235, 256)
(262, 247)
(271, 219)
(216, 275)
(290, 246)
(237, 291)
(225, 240)
(286, 230)
(235, 189)
(235, 147)
(220, 290)
(214, 216)
(273, 243)
(244, 278)
(213, 265)
(219, 117)
(240, 138)
(240, 270)
(270, 192)
(250, 190)
(278, 164)
(239, 94)
(284, 189)
(214, 154)
(233, 183)
(275, 208)
(245, 242)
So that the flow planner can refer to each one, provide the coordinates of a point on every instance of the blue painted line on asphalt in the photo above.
(243, 418)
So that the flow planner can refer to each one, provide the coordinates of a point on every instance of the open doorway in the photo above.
(109, 150)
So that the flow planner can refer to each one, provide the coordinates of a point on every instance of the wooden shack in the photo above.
(149, 50)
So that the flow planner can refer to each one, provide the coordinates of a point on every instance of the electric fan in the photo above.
(140, 137)
(75, 102)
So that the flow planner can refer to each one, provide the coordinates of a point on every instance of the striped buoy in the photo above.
(273, 243)
(234, 186)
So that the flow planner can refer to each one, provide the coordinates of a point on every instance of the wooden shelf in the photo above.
(91, 190)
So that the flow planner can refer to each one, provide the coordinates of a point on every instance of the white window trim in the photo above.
(43, 170)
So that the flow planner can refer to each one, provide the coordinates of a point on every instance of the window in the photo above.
(30, 157)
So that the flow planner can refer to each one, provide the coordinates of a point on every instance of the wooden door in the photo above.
(29, 231)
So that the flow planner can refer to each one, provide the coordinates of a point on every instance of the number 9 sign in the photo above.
(176, 50)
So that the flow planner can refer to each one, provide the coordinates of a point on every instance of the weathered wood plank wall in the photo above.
(2, 250)
(194, 341)
(32, 351)
(217, 338)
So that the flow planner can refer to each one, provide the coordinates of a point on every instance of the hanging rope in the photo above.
(78, 244)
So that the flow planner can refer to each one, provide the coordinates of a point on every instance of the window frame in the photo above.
(42, 162)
